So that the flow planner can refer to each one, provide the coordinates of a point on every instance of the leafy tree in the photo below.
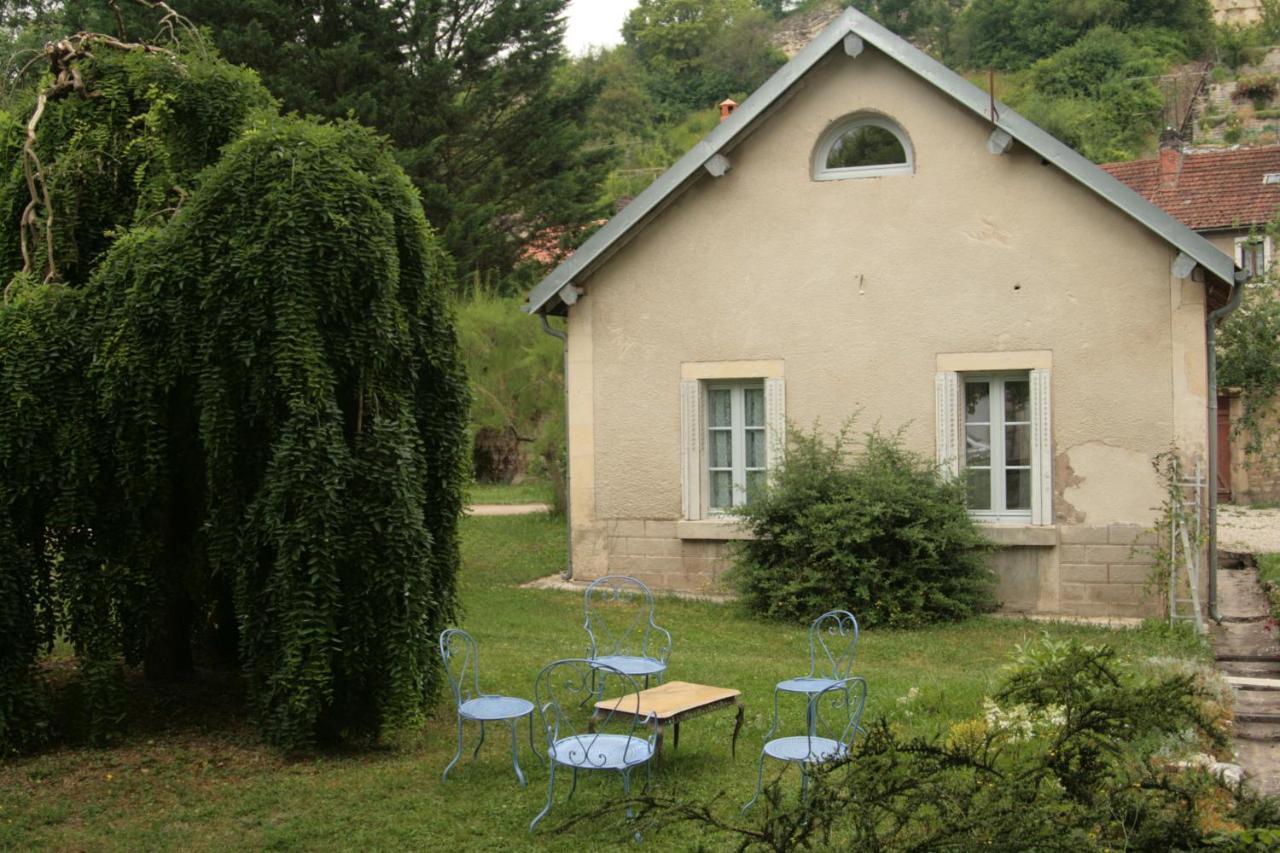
(700, 51)
(1096, 95)
(468, 90)
(1249, 359)
(231, 403)
(928, 23)
(1012, 34)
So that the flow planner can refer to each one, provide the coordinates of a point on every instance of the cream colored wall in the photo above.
(859, 285)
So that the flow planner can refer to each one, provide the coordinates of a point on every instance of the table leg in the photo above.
(657, 744)
(737, 727)
(675, 743)
(591, 724)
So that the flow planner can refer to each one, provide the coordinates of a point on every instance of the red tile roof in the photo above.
(1208, 190)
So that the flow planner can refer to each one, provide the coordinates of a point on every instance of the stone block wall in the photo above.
(651, 552)
(1103, 571)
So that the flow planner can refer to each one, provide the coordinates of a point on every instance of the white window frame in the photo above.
(695, 379)
(827, 141)
(951, 425)
(1242, 243)
(737, 430)
(998, 465)
(850, 123)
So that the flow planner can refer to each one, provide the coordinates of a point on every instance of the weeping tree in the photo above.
(232, 410)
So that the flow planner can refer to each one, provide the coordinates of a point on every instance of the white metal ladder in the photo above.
(1186, 533)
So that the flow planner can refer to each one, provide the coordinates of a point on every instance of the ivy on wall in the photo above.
(232, 410)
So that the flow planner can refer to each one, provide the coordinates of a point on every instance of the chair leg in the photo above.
(573, 786)
(533, 746)
(759, 786)
(551, 791)
(626, 790)
(480, 744)
(804, 785)
(456, 755)
(515, 753)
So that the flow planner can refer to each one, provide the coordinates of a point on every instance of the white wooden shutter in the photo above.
(691, 449)
(947, 406)
(775, 414)
(1041, 449)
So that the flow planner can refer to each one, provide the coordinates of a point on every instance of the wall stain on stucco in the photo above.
(990, 233)
(1064, 477)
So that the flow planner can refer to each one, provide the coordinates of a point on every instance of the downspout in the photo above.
(567, 574)
(1211, 340)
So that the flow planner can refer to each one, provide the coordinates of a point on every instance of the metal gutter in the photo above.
(1211, 340)
(545, 297)
(567, 574)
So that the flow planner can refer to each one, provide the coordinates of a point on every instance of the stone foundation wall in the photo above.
(1103, 571)
(1091, 571)
(650, 551)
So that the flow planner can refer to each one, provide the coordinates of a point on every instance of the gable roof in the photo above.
(1209, 190)
(545, 298)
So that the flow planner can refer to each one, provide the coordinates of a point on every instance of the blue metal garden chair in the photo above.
(560, 690)
(461, 658)
(833, 641)
(835, 717)
(622, 633)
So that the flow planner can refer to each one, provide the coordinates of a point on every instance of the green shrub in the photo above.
(880, 533)
(1257, 87)
(1066, 756)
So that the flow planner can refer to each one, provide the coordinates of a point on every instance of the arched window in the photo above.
(863, 146)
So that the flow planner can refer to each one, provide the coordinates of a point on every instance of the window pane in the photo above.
(979, 481)
(1017, 445)
(1017, 401)
(977, 402)
(755, 448)
(977, 445)
(753, 402)
(755, 482)
(721, 407)
(721, 449)
(721, 490)
(866, 146)
(1017, 494)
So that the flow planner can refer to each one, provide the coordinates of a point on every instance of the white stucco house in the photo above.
(871, 232)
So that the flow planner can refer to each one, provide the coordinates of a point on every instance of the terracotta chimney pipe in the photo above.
(727, 106)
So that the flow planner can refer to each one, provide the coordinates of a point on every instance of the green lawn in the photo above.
(204, 782)
(528, 492)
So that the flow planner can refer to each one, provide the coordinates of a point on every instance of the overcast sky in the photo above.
(595, 22)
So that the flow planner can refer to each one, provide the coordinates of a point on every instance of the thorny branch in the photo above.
(64, 56)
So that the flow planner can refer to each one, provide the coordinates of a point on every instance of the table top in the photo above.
(669, 700)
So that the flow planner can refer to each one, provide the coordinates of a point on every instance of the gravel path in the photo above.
(508, 509)
(1249, 531)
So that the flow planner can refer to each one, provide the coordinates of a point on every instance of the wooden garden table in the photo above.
(671, 704)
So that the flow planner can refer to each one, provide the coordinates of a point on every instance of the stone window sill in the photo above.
(1022, 535)
(713, 529)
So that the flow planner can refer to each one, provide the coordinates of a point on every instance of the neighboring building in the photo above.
(1240, 13)
(864, 235)
(1229, 196)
